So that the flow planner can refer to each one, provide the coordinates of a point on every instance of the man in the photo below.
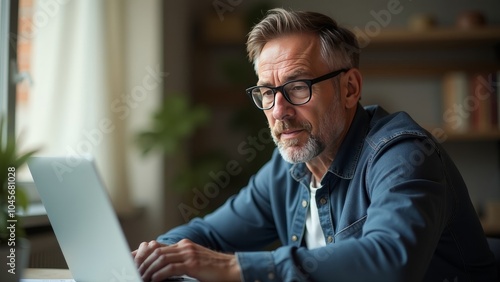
(352, 193)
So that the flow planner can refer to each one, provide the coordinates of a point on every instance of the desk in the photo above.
(47, 273)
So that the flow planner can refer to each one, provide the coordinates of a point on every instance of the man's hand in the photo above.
(157, 262)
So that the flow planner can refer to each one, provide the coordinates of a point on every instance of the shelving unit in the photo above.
(395, 53)
(390, 53)
(469, 136)
(437, 37)
(430, 52)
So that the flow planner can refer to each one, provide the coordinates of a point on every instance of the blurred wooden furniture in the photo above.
(47, 273)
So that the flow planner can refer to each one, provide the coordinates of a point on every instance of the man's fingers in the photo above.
(169, 261)
(158, 262)
(141, 253)
(172, 269)
(159, 259)
(144, 251)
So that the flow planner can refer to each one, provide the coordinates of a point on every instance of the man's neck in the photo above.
(319, 165)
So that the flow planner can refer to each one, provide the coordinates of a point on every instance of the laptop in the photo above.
(84, 221)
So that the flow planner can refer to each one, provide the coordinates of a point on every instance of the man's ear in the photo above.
(353, 80)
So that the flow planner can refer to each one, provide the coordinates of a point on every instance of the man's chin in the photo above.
(289, 148)
(291, 154)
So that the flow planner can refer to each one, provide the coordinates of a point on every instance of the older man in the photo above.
(343, 192)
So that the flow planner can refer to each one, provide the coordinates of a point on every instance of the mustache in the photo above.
(282, 126)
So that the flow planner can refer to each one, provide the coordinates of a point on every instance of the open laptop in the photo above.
(84, 221)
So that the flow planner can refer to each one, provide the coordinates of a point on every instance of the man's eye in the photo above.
(299, 87)
(267, 93)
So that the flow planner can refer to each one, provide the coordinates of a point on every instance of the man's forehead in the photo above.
(293, 55)
(294, 46)
(287, 59)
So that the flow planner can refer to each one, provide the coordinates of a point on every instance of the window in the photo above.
(81, 66)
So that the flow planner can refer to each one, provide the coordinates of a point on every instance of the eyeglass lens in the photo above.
(296, 92)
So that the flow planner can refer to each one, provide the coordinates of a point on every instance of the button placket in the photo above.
(324, 210)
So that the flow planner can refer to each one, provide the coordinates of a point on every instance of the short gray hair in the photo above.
(339, 46)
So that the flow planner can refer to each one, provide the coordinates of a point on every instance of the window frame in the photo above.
(9, 16)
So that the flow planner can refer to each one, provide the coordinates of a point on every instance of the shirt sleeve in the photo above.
(273, 266)
(245, 222)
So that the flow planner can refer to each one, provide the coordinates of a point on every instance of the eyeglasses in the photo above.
(296, 92)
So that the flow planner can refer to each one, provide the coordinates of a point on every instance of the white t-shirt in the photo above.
(314, 236)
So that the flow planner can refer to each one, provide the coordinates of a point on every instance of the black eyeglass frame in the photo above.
(281, 88)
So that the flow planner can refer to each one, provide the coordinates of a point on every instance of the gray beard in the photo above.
(293, 154)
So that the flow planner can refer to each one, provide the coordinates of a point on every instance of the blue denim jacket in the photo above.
(393, 207)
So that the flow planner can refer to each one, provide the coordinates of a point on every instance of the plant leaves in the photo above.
(171, 125)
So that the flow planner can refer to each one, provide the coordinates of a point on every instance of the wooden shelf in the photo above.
(491, 229)
(399, 52)
(474, 136)
(438, 37)
(448, 135)
(424, 68)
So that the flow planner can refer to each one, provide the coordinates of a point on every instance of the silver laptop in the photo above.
(83, 220)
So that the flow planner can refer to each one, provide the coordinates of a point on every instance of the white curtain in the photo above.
(80, 95)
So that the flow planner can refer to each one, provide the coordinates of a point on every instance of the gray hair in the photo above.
(339, 46)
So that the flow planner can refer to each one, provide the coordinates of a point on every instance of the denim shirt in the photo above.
(393, 207)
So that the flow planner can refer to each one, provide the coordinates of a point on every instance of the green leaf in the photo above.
(172, 125)
(10, 157)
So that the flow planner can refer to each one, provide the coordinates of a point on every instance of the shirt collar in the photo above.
(347, 157)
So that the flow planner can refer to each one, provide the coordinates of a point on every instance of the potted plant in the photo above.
(171, 126)
(14, 248)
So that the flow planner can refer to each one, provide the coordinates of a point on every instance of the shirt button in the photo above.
(304, 203)
(270, 276)
(329, 239)
(294, 238)
(322, 201)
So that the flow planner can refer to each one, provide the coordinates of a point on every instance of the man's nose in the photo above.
(282, 108)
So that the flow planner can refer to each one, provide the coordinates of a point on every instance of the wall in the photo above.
(144, 47)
